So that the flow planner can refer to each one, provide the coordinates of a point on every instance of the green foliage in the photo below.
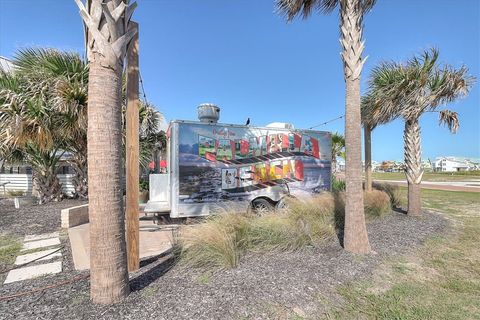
(144, 185)
(9, 248)
(337, 184)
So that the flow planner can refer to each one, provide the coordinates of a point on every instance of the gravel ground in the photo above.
(32, 219)
(262, 287)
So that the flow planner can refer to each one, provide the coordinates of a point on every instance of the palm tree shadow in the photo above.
(399, 210)
(164, 262)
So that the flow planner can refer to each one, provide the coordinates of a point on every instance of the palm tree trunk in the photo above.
(80, 182)
(355, 233)
(108, 259)
(47, 185)
(368, 157)
(413, 166)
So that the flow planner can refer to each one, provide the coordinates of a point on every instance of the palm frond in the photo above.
(450, 119)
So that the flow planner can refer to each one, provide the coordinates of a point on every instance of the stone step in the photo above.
(49, 254)
(34, 237)
(33, 271)
(41, 244)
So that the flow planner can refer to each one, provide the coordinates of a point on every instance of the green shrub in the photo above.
(337, 185)
(392, 191)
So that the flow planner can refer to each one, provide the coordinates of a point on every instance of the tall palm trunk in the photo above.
(109, 32)
(368, 157)
(413, 165)
(355, 233)
(108, 259)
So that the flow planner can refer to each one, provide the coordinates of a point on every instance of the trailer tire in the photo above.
(261, 206)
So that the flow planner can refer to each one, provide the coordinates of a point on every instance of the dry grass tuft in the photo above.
(306, 222)
(218, 242)
(392, 191)
(376, 203)
(222, 239)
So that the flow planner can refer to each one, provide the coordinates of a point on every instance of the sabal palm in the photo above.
(351, 28)
(66, 75)
(30, 129)
(338, 149)
(409, 90)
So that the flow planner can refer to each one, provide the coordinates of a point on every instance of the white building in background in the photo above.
(453, 164)
(6, 65)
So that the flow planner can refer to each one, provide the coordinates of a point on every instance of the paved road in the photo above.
(467, 185)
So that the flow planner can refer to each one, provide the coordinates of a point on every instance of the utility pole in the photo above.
(132, 156)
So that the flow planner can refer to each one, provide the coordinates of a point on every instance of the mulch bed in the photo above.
(262, 287)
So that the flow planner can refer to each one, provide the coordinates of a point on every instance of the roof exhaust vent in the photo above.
(208, 113)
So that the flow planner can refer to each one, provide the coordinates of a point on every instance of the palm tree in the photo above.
(338, 149)
(109, 31)
(69, 74)
(351, 27)
(30, 130)
(371, 118)
(408, 90)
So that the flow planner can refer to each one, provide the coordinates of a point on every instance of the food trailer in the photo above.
(211, 165)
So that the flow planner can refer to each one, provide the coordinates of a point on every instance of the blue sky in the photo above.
(242, 56)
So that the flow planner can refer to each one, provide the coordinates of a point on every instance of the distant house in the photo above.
(390, 166)
(453, 164)
(6, 65)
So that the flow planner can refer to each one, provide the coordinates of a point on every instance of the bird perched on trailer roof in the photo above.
(248, 122)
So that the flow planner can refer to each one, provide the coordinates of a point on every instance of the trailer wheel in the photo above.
(262, 206)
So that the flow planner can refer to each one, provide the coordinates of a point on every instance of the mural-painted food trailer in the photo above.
(212, 164)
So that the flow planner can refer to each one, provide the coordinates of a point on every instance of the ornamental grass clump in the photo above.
(217, 242)
(393, 192)
(221, 240)
(376, 203)
(306, 222)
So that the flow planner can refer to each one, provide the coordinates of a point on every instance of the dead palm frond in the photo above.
(450, 119)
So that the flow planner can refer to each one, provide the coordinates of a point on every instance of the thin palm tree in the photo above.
(371, 118)
(109, 31)
(338, 149)
(409, 90)
(351, 29)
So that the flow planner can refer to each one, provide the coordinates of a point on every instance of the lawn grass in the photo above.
(430, 176)
(441, 280)
(9, 248)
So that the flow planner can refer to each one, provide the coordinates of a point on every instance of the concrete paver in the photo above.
(33, 271)
(46, 254)
(154, 240)
(35, 237)
(41, 244)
